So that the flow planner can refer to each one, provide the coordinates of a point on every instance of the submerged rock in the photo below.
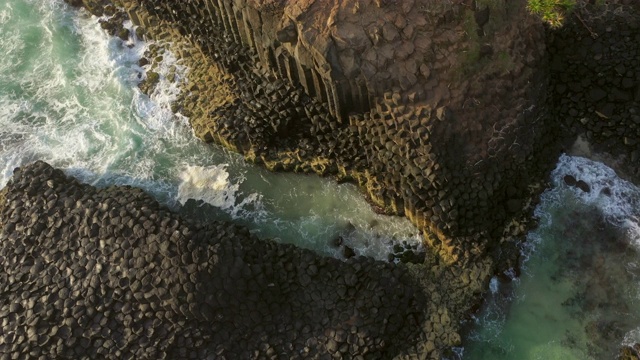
(348, 252)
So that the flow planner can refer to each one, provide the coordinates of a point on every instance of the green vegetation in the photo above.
(470, 60)
(553, 12)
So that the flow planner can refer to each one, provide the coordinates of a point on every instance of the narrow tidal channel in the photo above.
(68, 96)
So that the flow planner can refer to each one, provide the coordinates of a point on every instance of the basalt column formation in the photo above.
(108, 273)
(435, 108)
(430, 107)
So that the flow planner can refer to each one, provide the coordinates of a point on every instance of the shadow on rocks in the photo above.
(110, 273)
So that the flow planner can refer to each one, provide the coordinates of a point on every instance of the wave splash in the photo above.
(617, 199)
(212, 185)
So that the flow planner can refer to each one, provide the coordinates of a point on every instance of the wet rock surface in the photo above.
(630, 352)
(109, 273)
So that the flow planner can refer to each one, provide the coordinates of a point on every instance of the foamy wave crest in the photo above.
(618, 199)
(172, 76)
(212, 185)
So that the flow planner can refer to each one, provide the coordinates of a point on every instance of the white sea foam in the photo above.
(493, 285)
(213, 186)
(71, 82)
(618, 199)
(631, 338)
(377, 242)
(172, 76)
(5, 14)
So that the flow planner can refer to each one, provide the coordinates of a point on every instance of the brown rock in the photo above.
(400, 22)
(408, 31)
(407, 5)
(348, 35)
(390, 32)
(288, 33)
(425, 71)
(630, 353)
(404, 50)
(349, 63)
(385, 52)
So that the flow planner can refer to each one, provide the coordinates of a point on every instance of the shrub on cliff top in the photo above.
(553, 12)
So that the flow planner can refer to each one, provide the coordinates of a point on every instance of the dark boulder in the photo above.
(582, 185)
(348, 252)
(570, 180)
(337, 241)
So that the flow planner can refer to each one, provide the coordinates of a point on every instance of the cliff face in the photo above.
(595, 73)
(430, 107)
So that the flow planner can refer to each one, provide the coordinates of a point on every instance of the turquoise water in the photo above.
(579, 293)
(68, 96)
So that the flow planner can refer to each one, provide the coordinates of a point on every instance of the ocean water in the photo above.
(579, 293)
(68, 95)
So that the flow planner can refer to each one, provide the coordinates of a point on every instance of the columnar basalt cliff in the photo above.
(595, 73)
(430, 108)
(393, 95)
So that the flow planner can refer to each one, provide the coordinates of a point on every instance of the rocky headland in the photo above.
(449, 113)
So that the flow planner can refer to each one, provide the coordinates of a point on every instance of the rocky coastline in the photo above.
(110, 273)
(459, 138)
(402, 151)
